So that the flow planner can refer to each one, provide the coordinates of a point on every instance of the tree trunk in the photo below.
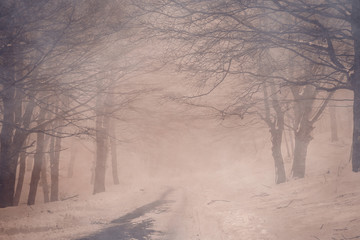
(55, 148)
(114, 164)
(356, 132)
(304, 99)
(8, 163)
(54, 168)
(43, 174)
(101, 155)
(12, 143)
(44, 182)
(292, 145)
(11, 140)
(29, 164)
(302, 140)
(276, 129)
(18, 111)
(111, 130)
(287, 145)
(276, 139)
(355, 82)
(38, 160)
(93, 166)
(333, 124)
(101, 140)
(20, 181)
(110, 127)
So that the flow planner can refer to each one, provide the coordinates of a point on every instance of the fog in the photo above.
(179, 120)
(219, 174)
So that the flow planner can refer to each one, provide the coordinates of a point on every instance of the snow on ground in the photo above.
(75, 217)
(234, 202)
(314, 208)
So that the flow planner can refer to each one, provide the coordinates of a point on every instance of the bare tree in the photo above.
(47, 50)
(223, 38)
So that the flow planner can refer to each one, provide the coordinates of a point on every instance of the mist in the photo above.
(179, 120)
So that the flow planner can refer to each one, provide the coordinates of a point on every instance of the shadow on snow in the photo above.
(124, 228)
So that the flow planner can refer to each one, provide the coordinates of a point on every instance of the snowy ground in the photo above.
(232, 202)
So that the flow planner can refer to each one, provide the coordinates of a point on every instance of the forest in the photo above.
(239, 109)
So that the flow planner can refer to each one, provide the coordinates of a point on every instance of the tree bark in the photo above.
(276, 130)
(22, 155)
(101, 155)
(114, 164)
(276, 139)
(110, 127)
(356, 132)
(29, 164)
(20, 181)
(302, 140)
(302, 127)
(355, 83)
(101, 146)
(292, 144)
(11, 155)
(287, 145)
(55, 148)
(38, 160)
(54, 168)
(93, 166)
(8, 163)
(44, 181)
